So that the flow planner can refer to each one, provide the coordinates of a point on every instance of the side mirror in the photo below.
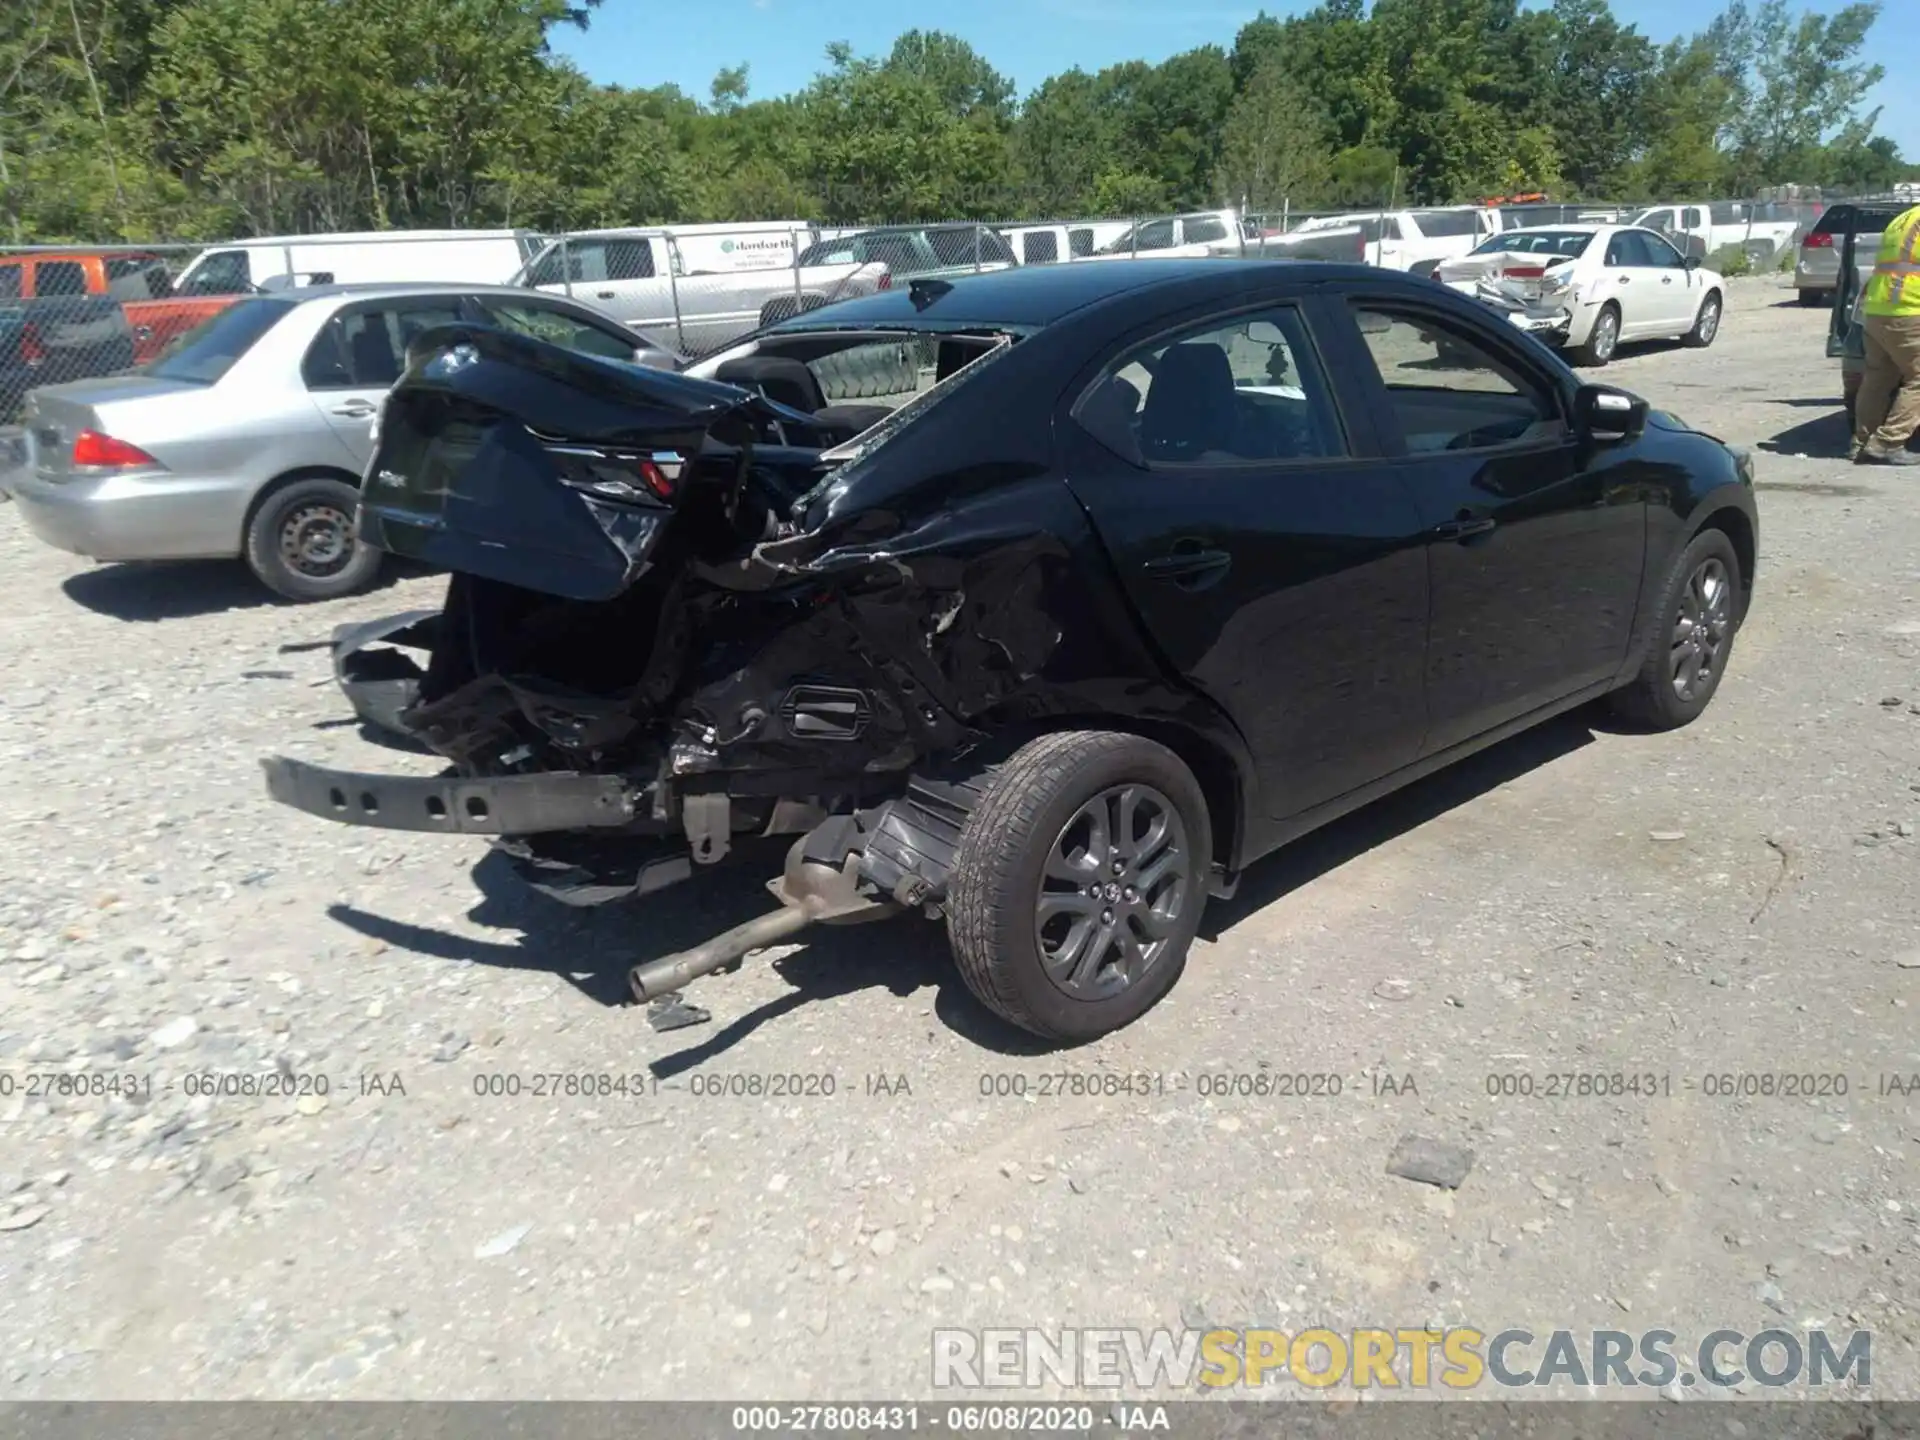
(1693, 262)
(1601, 412)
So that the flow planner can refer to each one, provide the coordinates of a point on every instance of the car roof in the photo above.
(1591, 227)
(400, 290)
(1031, 296)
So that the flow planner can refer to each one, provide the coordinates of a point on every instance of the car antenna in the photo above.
(927, 290)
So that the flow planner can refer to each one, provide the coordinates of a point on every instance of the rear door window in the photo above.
(59, 277)
(589, 262)
(1204, 230)
(366, 348)
(10, 277)
(1039, 247)
(131, 277)
(1079, 242)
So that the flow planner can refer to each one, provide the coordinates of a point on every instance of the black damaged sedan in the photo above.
(1043, 602)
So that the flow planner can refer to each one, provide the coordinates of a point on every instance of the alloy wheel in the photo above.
(1115, 888)
(1709, 322)
(1606, 335)
(1700, 629)
(317, 540)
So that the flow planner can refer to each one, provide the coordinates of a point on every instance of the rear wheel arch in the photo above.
(1222, 782)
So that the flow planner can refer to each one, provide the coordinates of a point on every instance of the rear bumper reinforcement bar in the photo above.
(510, 805)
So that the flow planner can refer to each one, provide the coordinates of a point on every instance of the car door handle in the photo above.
(603, 294)
(1465, 528)
(355, 410)
(1666, 279)
(1191, 569)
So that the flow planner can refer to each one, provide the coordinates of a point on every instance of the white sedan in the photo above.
(1591, 287)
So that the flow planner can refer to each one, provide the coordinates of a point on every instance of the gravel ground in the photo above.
(1736, 898)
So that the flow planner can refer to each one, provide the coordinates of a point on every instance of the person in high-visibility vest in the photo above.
(1888, 411)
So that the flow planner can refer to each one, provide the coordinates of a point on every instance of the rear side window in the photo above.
(587, 262)
(1447, 222)
(1079, 242)
(209, 350)
(10, 280)
(134, 278)
(59, 277)
(1204, 230)
(558, 327)
(225, 272)
(1039, 247)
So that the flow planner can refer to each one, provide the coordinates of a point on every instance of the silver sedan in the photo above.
(247, 439)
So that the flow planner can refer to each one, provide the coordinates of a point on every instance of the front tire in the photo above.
(1811, 298)
(1700, 611)
(1706, 324)
(300, 541)
(1603, 340)
(1079, 883)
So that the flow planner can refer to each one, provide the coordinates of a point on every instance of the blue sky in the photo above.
(647, 42)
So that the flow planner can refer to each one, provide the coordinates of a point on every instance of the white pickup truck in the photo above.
(696, 292)
(1410, 240)
(1704, 230)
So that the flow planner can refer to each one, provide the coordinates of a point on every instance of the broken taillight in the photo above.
(32, 352)
(1817, 240)
(1525, 272)
(92, 450)
(886, 280)
(613, 473)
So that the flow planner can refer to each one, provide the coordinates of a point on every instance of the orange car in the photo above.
(138, 279)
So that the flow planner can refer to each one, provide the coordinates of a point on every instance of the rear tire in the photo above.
(300, 541)
(1603, 340)
(1706, 324)
(1700, 614)
(1811, 298)
(1079, 883)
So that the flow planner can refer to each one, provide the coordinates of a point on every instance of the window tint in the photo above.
(1447, 391)
(896, 251)
(366, 349)
(1154, 235)
(1694, 218)
(134, 278)
(1726, 212)
(558, 327)
(1204, 230)
(956, 247)
(1624, 249)
(225, 272)
(1447, 222)
(59, 277)
(1657, 252)
(209, 350)
(1040, 247)
(10, 280)
(1079, 242)
(586, 262)
(1226, 392)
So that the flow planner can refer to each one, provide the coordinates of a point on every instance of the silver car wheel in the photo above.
(317, 541)
(1700, 629)
(1115, 889)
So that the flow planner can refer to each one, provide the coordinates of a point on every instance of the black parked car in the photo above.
(1161, 566)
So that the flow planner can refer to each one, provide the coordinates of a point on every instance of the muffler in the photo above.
(807, 890)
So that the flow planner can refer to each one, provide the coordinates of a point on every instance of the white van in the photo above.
(272, 262)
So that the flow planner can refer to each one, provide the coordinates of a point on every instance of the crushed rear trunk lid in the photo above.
(510, 459)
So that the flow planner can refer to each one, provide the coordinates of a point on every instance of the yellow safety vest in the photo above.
(1895, 286)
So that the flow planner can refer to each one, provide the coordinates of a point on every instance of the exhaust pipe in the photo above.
(807, 891)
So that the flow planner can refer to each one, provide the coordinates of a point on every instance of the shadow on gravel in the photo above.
(182, 589)
(378, 735)
(592, 949)
(1824, 438)
(1350, 837)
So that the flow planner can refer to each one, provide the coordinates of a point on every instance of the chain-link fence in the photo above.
(75, 311)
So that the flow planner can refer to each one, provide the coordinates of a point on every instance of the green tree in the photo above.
(1274, 149)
